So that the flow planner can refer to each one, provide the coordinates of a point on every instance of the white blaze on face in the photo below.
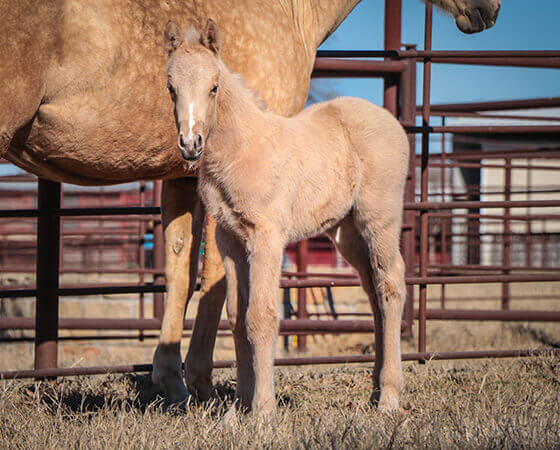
(191, 119)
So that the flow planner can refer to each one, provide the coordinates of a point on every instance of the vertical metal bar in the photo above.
(141, 256)
(48, 260)
(330, 300)
(159, 255)
(302, 255)
(544, 245)
(443, 220)
(61, 227)
(529, 232)
(100, 224)
(507, 234)
(408, 113)
(393, 24)
(424, 179)
(287, 305)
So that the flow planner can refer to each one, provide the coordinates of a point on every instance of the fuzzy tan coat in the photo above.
(338, 167)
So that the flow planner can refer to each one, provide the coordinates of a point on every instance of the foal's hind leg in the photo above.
(352, 246)
(390, 289)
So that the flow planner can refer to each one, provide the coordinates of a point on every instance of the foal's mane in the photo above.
(248, 91)
(192, 37)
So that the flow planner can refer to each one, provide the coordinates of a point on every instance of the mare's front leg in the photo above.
(183, 218)
(265, 260)
(199, 360)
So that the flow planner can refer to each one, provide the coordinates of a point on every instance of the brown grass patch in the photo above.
(510, 403)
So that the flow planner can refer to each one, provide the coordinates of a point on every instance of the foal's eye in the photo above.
(214, 90)
(170, 89)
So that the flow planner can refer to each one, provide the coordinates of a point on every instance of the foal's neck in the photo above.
(238, 117)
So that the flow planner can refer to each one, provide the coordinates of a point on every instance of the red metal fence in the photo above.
(422, 211)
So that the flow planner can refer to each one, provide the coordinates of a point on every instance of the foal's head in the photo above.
(193, 77)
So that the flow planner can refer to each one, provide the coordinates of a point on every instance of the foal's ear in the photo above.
(211, 37)
(172, 37)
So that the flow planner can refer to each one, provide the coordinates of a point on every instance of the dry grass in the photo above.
(509, 403)
(512, 404)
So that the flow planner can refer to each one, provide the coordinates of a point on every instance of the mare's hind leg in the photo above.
(198, 363)
(382, 276)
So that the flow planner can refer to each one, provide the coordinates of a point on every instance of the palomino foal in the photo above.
(338, 167)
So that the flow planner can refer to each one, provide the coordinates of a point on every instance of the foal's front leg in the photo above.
(265, 259)
(234, 254)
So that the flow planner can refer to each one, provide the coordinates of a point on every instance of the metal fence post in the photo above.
(393, 24)
(423, 293)
(159, 255)
(302, 253)
(408, 113)
(506, 261)
(47, 268)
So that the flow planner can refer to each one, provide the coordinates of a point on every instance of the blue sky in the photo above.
(521, 26)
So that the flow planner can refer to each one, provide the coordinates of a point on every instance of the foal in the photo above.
(338, 167)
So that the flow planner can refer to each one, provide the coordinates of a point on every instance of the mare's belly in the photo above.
(92, 140)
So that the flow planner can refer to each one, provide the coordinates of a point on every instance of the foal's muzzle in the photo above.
(191, 146)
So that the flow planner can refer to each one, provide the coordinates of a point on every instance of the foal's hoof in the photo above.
(386, 404)
(232, 417)
(389, 406)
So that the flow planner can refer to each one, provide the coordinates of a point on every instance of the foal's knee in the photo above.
(232, 315)
(392, 282)
(262, 323)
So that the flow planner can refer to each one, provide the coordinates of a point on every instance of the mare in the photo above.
(338, 167)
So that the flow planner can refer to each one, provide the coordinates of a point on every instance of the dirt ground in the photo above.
(512, 403)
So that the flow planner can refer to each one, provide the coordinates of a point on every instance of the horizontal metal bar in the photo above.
(515, 217)
(475, 165)
(477, 115)
(30, 269)
(493, 129)
(459, 279)
(540, 63)
(311, 360)
(544, 102)
(344, 68)
(289, 325)
(418, 206)
(466, 279)
(90, 290)
(421, 54)
(72, 212)
(522, 153)
(300, 325)
(356, 53)
(307, 283)
(493, 315)
(450, 267)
